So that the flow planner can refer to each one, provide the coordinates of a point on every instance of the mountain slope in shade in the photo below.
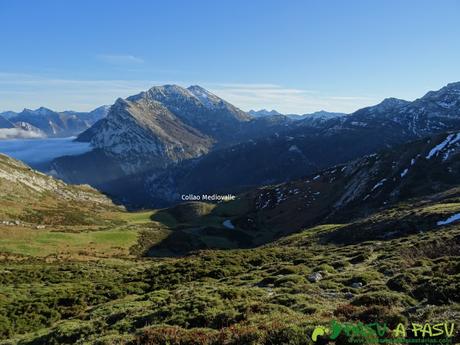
(404, 191)
(361, 187)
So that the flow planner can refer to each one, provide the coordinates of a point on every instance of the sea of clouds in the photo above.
(10, 133)
(33, 151)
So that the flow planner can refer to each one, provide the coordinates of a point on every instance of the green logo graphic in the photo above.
(380, 333)
(319, 331)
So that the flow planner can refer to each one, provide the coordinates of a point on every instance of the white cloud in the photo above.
(18, 91)
(119, 59)
(16, 133)
(286, 100)
(42, 150)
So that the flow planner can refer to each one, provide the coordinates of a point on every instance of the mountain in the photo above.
(420, 173)
(4, 123)
(141, 132)
(361, 187)
(436, 111)
(9, 130)
(253, 152)
(160, 127)
(305, 148)
(198, 108)
(46, 122)
(53, 124)
(91, 117)
(8, 114)
(317, 116)
(263, 112)
(25, 126)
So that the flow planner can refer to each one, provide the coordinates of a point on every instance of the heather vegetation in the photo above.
(263, 295)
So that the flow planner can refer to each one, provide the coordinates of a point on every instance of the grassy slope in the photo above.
(257, 296)
(46, 218)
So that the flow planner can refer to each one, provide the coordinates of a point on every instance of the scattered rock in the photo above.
(388, 273)
(357, 285)
(348, 295)
(315, 277)
(10, 222)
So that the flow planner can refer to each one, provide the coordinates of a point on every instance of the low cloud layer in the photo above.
(17, 133)
(34, 151)
(287, 100)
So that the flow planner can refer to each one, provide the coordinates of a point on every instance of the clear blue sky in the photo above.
(294, 56)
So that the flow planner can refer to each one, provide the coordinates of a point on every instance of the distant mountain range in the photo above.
(155, 146)
(316, 116)
(43, 122)
(263, 112)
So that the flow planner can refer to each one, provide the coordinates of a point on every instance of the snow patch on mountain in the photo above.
(404, 173)
(451, 219)
(449, 141)
(379, 184)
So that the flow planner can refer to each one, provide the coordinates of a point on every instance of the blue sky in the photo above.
(294, 56)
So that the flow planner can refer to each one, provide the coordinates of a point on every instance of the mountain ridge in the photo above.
(44, 122)
(273, 149)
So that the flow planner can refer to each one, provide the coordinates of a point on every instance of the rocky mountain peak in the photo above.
(206, 98)
(455, 86)
(447, 98)
(38, 111)
(392, 102)
(167, 91)
(263, 112)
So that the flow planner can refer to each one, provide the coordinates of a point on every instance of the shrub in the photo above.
(381, 298)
